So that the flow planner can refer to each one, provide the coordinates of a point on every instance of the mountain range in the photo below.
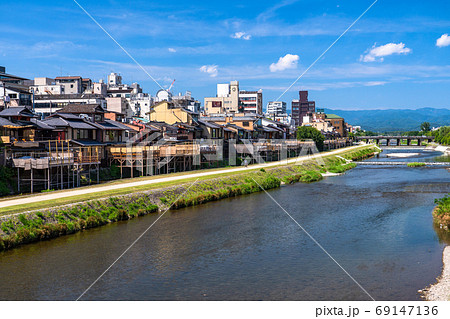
(391, 120)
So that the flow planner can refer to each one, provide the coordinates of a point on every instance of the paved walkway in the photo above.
(166, 178)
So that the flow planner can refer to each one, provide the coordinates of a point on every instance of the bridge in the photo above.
(398, 139)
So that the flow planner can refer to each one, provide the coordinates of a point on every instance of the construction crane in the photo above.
(171, 86)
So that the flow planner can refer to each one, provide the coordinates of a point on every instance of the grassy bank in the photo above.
(49, 223)
(441, 213)
(44, 225)
(416, 164)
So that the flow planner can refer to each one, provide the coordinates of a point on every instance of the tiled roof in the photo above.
(7, 123)
(41, 125)
(60, 122)
(209, 124)
(82, 109)
(17, 111)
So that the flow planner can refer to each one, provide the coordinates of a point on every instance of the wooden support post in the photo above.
(18, 180)
(32, 182)
(131, 162)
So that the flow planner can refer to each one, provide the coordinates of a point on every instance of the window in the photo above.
(245, 124)
(12, 96)
(216, 103)
(82, 134)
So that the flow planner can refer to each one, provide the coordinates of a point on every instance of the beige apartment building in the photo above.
(226, 101)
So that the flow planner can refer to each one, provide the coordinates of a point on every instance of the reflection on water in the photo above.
(375, 221)
(443, 235)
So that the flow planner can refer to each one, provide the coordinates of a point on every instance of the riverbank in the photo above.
(441, 217)
(44, 224)
(441, 290)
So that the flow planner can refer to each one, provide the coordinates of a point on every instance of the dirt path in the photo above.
(167, 178)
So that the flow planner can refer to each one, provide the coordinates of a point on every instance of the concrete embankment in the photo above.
(49, 223)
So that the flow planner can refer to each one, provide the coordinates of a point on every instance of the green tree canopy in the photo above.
(425, 127)
(311, 133)
(442, 135)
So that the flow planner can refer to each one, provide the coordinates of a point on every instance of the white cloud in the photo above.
(443, 41)
(172, 50)
(212, 70)
(241, 35)
(378, 53)
(375, 83)
(289, 61)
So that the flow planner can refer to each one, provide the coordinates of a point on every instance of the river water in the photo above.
(375, 221)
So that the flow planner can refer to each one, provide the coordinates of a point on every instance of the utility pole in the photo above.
(32, 90)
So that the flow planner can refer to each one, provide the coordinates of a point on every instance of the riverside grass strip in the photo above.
(50, 223)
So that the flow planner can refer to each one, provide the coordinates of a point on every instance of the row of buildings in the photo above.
(54, 131)
(46, 96)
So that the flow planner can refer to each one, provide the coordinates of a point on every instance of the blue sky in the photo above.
(389, 59)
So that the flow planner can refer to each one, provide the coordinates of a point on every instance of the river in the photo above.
(375, 221)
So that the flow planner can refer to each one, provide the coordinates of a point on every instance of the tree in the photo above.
(425, 127)
(310, 133)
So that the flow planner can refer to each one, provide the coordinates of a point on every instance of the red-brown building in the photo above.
(301, 108)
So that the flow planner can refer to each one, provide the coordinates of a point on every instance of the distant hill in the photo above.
(394, 119)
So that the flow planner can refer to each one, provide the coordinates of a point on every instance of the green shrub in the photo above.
(311, 176)
(441, 213)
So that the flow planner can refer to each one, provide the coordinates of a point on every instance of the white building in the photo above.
(114, 80)
(141, 104)
(72, 84)
(47, 86)
(276, 108)
(46, 105)
(251, 101)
